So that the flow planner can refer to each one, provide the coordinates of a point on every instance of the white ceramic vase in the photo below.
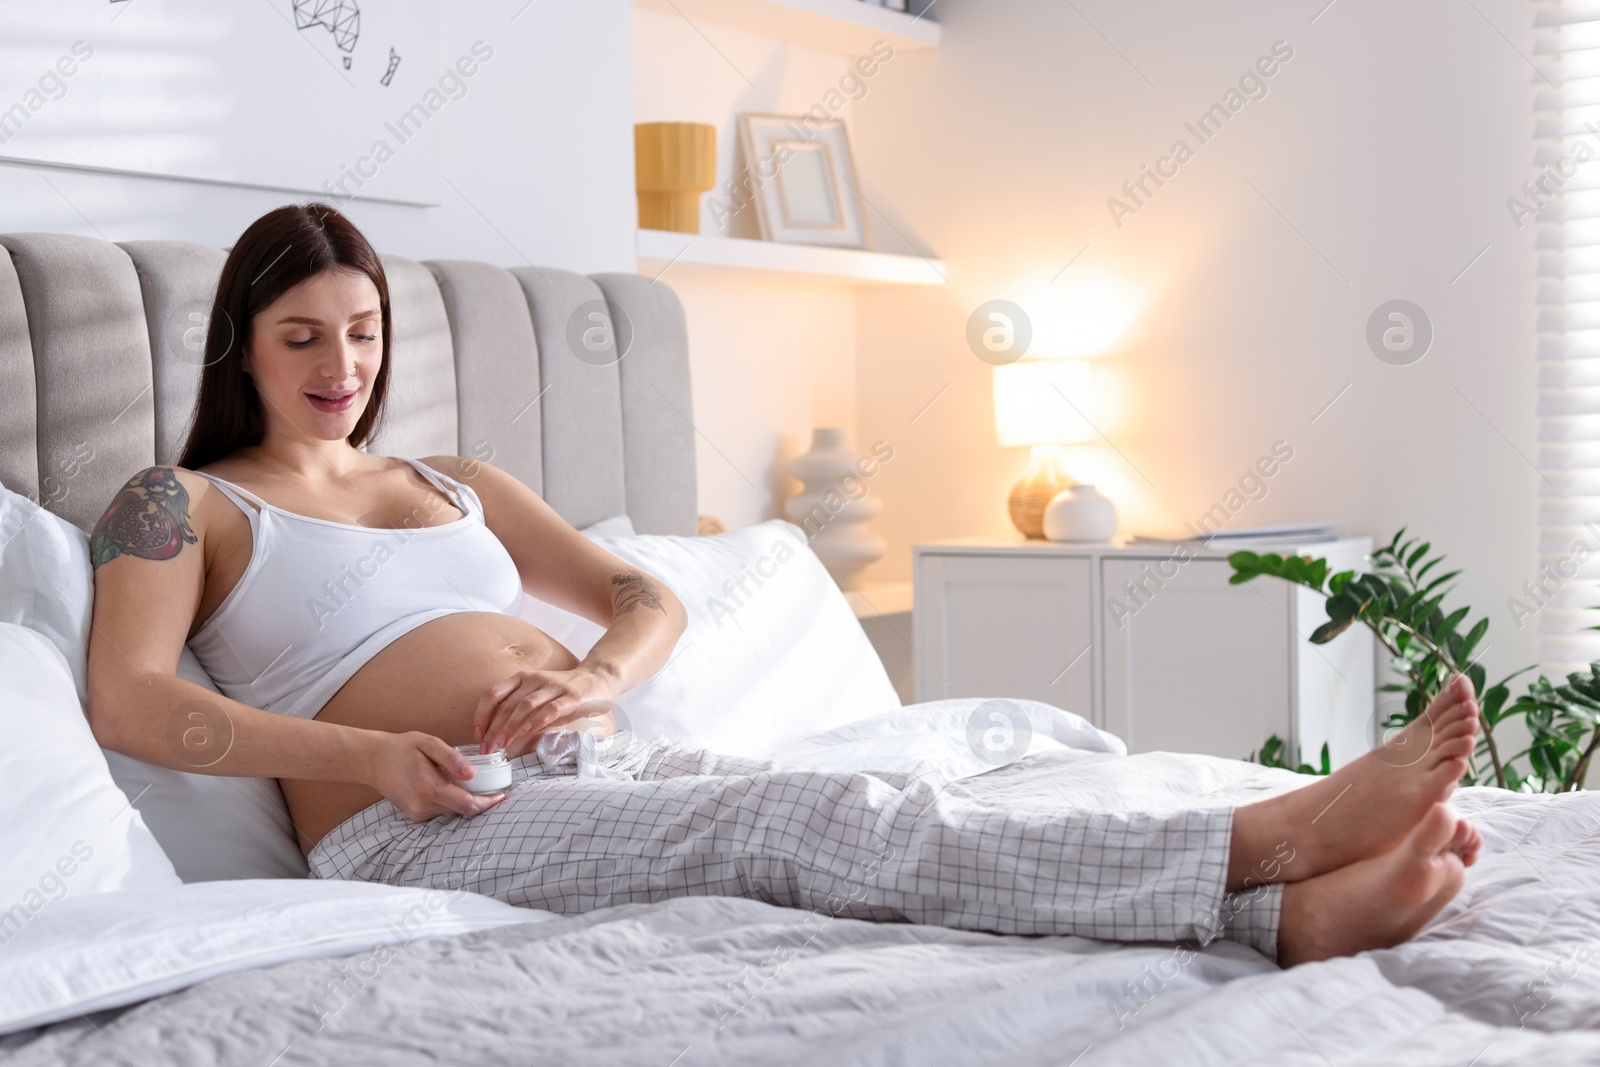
(834, 507)
(1079, 513)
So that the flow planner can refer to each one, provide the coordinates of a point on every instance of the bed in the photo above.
(166, 960)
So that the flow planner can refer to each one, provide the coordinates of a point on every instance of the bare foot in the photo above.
(1363, 809)
(1378, 902)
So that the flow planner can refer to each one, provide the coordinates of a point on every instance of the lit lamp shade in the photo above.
(1039, 403)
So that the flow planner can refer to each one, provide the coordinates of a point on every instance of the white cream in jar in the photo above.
(491, 773)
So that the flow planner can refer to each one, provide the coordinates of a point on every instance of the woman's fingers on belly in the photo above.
(547, 699)
(521, 712)
(483, 716)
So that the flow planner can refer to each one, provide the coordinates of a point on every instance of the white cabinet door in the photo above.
(1007, 627)
(1194, 664)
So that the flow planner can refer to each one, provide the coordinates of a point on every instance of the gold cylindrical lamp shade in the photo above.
(674, 162)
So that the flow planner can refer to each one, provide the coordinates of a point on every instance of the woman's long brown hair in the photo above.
(277, 252)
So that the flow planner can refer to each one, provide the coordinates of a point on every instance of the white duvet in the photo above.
(1507, 975)
(85, 954)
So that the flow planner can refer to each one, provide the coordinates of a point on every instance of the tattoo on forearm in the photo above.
(635, 590)
(148, 518)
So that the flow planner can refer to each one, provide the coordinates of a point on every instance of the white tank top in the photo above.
(320, 598)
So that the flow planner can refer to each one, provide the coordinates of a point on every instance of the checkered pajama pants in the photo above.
(591, 822)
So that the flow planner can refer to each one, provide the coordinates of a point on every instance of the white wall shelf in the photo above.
(845, 26)
(663, 250)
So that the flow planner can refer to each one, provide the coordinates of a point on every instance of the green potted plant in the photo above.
(1401, 600)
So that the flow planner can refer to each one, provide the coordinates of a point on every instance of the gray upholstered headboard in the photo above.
(98, 378)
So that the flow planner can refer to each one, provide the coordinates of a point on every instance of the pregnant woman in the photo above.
(360, 614)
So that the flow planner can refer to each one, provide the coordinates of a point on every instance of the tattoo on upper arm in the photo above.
(634, 590)
(148, 518)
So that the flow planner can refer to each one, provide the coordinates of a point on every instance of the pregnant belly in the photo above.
(429, 679)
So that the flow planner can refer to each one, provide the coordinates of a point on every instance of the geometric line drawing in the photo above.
(341, 17)
(394, 61)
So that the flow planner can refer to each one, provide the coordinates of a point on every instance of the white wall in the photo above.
(1386, 147)
(540, 150)
(769, 360)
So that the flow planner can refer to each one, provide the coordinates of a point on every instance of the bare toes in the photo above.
(1458, 719)
(1460, 687)
(1467, 844)
(1436, 832)
(1464, 724)
(1454, 701)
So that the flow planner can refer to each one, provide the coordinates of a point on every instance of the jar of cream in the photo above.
(491, 773)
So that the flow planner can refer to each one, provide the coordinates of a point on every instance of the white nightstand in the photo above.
(1185, 663)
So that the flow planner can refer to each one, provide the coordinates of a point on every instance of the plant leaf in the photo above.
(1329, 630)
(1474, 635)
(1450, 622)
(1431, 586)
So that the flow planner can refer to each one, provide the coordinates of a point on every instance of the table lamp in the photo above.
(1039, 403)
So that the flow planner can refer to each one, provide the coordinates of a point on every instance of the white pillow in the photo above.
(211, 826)
(616, 526)
(68, 828)
(46, 583)
(761, 665)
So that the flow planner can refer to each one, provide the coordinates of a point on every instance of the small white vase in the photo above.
(1078, 513)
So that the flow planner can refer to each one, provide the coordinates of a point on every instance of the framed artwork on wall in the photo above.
(333, 98)
(802, 177)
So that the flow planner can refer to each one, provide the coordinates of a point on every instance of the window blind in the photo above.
(1563, 201)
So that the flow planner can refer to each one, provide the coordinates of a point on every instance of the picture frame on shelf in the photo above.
(803, 177)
